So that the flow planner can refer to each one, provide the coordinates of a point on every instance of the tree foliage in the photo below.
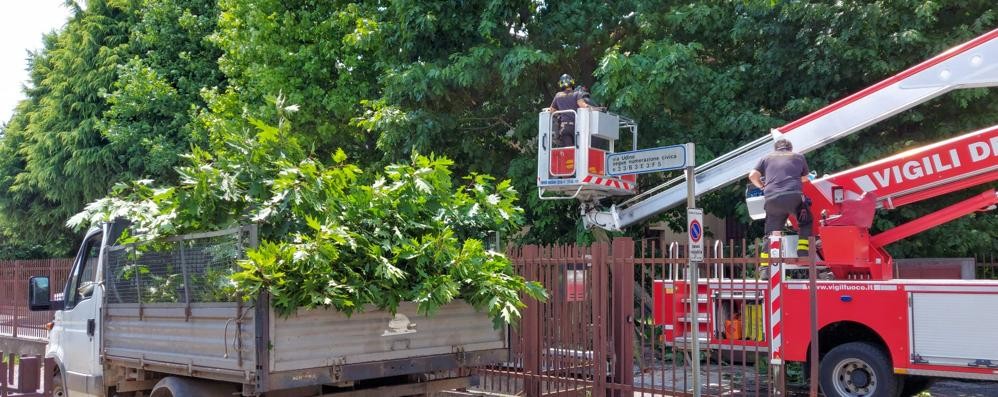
(157, 91)
(60, 161)
(381, 79)
(110, 99)
(315, 54)
(727, 73)
(330, 236)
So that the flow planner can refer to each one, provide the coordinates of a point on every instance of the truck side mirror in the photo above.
(39, 296)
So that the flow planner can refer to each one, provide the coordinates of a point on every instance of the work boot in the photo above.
(763, 266)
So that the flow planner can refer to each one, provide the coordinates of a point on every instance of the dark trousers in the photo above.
(779, 209)
(566, 134)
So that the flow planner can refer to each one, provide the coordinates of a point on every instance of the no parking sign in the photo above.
(695, 230)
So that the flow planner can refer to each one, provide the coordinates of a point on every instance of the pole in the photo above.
(775, 310)
(813, 287)
(694, 278)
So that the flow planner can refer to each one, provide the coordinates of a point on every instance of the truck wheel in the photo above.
(174, 386)
(857, 369)
(58, 390)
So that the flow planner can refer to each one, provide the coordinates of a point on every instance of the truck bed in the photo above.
(219, 340)
(169, 309)
(162, 334)
(321, 338)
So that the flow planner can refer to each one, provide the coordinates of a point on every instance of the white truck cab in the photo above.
(75, 334)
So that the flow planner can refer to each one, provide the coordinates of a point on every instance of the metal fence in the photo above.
(16, 321)
(23, 333)
(602, 333)
(986, 267)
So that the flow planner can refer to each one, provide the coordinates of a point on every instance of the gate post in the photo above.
(530, 326)
(775, 305)
(28, 370)
(622, 302)
(8, 362)
(599, 307)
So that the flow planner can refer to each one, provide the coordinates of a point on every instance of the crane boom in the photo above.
(970, 65)
(917, 174)
(846, 201)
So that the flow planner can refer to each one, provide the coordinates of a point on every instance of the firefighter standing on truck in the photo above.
(784, 172)
(568, 98)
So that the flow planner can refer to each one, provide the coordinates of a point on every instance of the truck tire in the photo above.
(857, 369)
(58, 388)
(175, 386)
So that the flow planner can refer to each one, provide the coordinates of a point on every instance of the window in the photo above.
(84, 277)
(599, 143)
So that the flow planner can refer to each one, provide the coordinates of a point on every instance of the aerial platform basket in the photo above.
(579, 171)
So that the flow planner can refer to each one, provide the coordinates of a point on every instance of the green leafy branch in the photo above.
(331, 237)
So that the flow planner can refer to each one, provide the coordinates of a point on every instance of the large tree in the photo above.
(110, 99)
(60, 157)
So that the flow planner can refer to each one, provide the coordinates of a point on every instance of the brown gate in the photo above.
(24, 333)
(617, 323)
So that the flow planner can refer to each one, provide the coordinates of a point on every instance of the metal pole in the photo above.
(774, 309)
(694, 278)
(187, 281)
(813, 296)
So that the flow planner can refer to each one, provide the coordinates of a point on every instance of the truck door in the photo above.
(77, 327)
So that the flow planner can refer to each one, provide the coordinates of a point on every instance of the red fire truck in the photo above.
(876, 332)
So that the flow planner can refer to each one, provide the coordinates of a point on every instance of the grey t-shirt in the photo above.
(782, 170)
(567, 100)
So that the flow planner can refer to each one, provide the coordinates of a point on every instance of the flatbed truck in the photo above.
(163, 321)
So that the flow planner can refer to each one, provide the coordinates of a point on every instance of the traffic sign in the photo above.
(694, 218)
(665, 158)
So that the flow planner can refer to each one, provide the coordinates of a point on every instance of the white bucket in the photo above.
(756, 207)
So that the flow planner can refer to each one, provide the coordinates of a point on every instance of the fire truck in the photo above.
(876, 332)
